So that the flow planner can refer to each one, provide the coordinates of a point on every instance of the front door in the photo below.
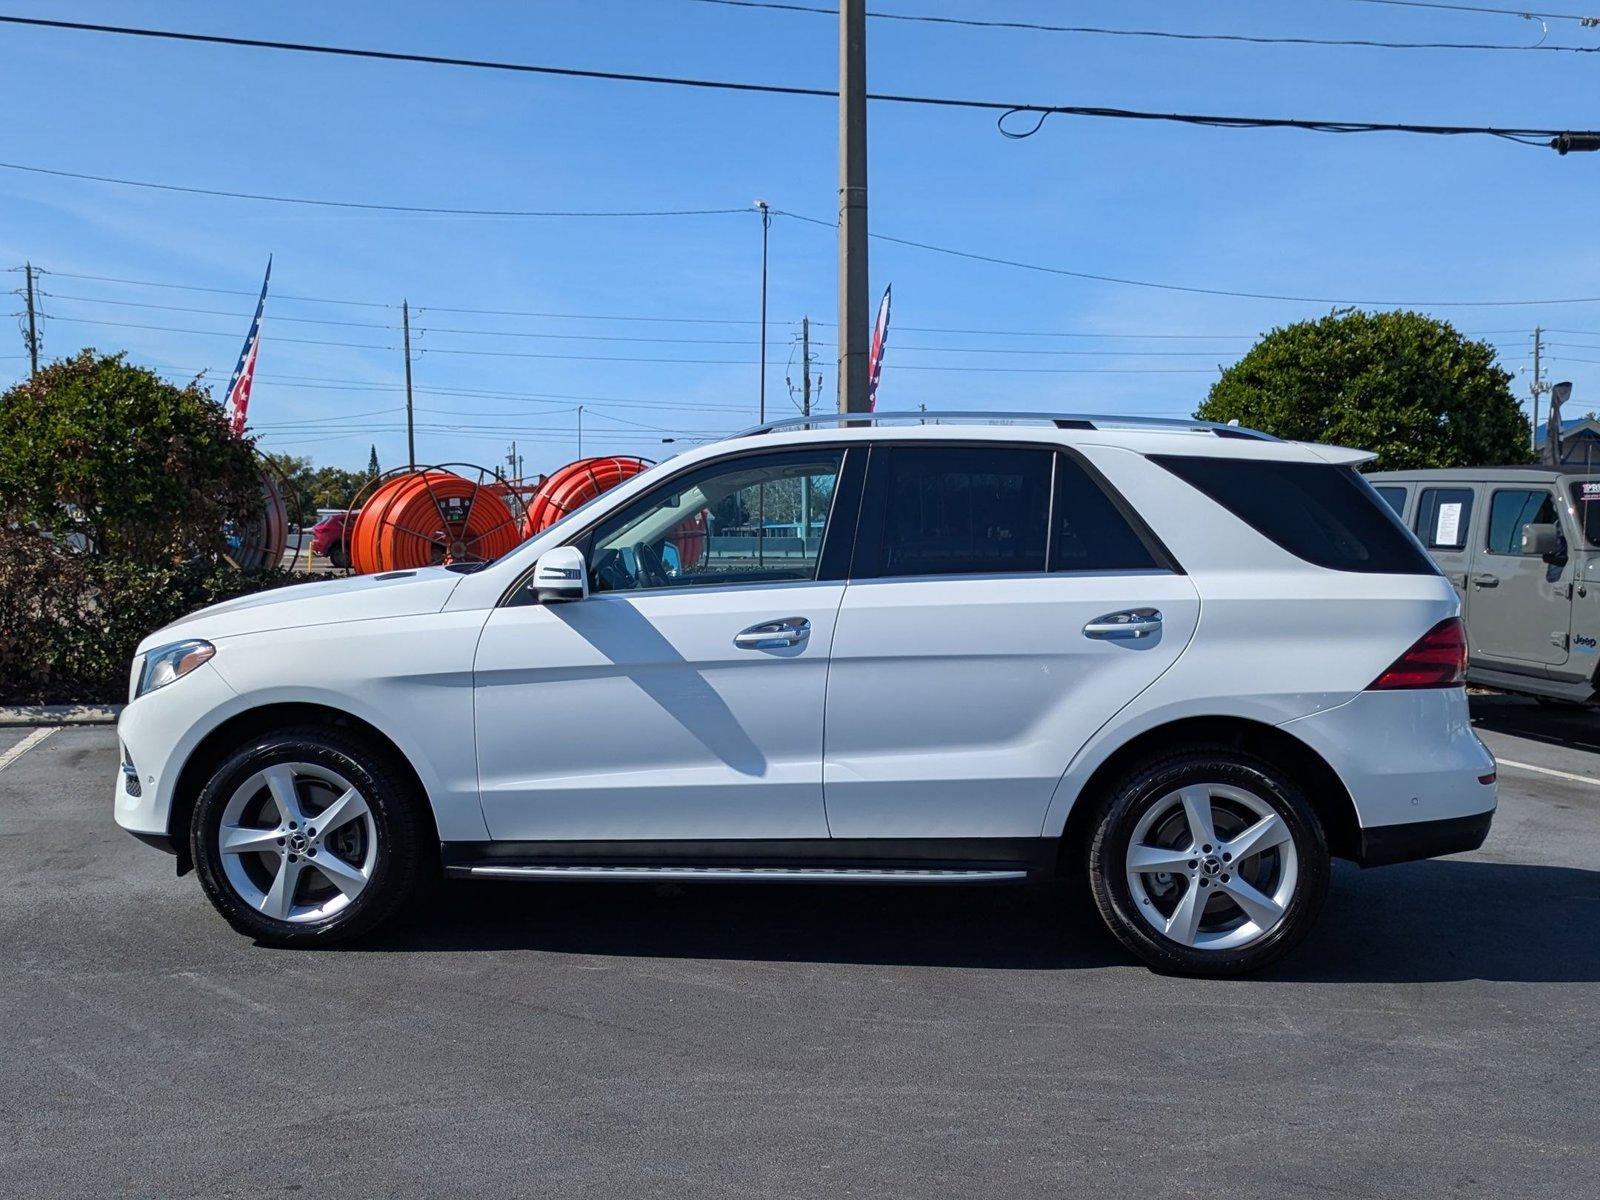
(1521, 607)
(683, 699)
(1001, 609)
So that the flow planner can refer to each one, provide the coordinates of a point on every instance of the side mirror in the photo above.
(1546, 542)
(561, 574)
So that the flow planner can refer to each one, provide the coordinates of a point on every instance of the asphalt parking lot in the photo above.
(1437, 1036)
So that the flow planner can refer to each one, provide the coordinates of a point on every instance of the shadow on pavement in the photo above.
(1418, 922)
(1554, 725)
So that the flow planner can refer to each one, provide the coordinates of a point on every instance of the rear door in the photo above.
(1444, 522)
(1003, 604)
(1521, 605)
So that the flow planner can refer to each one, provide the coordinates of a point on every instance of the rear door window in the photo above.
(1088, 533)
(959, 510)
(1324, 514)
(1443, 515)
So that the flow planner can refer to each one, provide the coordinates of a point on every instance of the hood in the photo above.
(326, 602)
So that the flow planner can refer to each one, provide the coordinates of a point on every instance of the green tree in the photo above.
(299, 495)
(1405, 385)
(334, 487)
(372, 463)
(139, 468)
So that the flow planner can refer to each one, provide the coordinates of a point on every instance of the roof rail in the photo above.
(1059, 420)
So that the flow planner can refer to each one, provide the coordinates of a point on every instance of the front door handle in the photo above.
(774, 635)
(1485, 580)
(1127, 625)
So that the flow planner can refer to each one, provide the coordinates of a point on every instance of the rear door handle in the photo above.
(1127, 625)
(773, 635)
(1485, 580)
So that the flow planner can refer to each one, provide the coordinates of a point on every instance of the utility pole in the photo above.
(580, 431)
(1540, 387)
(805, 366)
(411, 430)
(805, 411)
(766, 224)
(854, 323)
(33, 327)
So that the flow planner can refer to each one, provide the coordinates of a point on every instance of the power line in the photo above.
(727, 362)
(356, 204)
(1201, 291)
(489, 312)
(191, 287)
(1162, 34)
(214, 312)
(942, 329)
(1555, 138)
(1478, 8)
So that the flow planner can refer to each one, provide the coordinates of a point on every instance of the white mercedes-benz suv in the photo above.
(1188, 662)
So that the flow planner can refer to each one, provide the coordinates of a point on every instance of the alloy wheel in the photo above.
(298, 842)
(1212, 866)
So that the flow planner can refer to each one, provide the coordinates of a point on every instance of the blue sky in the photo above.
(1369, 216)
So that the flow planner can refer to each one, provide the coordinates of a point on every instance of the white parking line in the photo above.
(1521, 766)
(26, 744)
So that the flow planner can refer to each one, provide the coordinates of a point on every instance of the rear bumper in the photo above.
(1385, 844)
(1409, 759)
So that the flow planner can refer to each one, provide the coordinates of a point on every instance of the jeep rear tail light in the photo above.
(1437, 659)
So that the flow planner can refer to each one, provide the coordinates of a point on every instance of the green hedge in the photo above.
(69, 622)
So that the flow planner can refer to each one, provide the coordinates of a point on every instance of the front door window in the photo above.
(755, 519)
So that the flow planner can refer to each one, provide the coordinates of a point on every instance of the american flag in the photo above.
(237, 405)
(880, 340)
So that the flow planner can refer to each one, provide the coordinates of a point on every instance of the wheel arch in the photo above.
(1324, 790)
(239, 728)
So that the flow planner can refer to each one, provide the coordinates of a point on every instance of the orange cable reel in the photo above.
(576, 484)
(431, 517)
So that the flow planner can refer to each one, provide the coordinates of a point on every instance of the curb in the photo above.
(59, 714)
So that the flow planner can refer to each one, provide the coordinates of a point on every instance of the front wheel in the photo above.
(308, 836)
(1208, 862)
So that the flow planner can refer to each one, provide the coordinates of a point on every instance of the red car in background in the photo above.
(328, 538)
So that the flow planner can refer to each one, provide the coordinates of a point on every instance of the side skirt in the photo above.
(921, 860)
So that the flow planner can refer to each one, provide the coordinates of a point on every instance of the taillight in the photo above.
(1437, 659)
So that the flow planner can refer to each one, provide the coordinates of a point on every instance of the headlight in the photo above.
(166, 663)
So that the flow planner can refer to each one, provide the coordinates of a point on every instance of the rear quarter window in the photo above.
(1326, 515)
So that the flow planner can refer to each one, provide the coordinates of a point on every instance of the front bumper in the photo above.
(158, 731)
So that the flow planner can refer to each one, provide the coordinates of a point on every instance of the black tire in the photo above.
(1142, 789)
(398, 867)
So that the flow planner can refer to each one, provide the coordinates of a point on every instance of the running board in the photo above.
(676, 874)
(1579, 692)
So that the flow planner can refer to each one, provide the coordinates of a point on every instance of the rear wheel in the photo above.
(307, 836)
(1208, 862)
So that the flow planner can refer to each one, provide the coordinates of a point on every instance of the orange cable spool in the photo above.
(429, 517)
(576, 484)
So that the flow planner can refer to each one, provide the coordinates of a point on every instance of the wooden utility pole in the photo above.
(854, 324)
(411, 429)
(33, 326)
